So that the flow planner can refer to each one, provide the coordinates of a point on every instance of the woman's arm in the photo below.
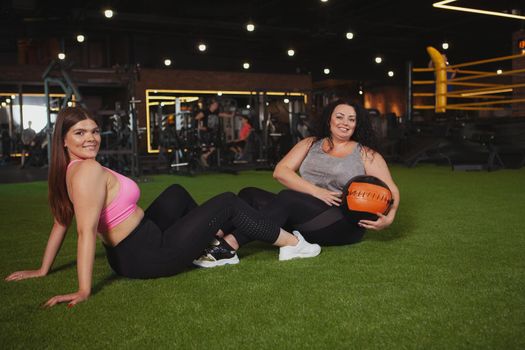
(226, 114)
(199, 116)
(87, 190)
(286, 173)
(54, 242)
(375, 165)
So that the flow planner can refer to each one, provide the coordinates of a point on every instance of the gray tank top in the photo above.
(326, 171)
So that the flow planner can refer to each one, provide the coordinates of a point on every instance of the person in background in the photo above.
(6, 143)
(237, 145)
(28, 141)
(208, 131)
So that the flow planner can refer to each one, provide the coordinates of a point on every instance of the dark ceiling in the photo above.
(396, 30)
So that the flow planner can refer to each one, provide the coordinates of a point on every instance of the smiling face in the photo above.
(82, 140)
(343, 122)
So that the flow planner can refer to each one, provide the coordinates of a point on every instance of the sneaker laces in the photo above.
(217, 246)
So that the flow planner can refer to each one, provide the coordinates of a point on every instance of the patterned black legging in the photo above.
(289, 209)
(175, 230)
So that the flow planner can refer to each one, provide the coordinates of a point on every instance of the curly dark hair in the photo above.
(363, 133)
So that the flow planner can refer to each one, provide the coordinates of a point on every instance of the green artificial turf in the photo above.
(449, 274)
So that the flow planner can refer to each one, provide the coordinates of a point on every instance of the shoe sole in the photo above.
(300, 256)
(222, 262)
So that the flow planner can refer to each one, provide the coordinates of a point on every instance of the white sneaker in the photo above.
(303, 249)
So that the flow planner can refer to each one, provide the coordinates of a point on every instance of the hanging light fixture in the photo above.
(108, 13)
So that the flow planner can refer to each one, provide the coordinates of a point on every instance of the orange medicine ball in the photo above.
(367, 195)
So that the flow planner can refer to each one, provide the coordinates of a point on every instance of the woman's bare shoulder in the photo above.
(86, 170)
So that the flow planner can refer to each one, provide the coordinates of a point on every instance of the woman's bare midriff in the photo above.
(122, 230)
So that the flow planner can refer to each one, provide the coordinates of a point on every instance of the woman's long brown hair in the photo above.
(59, 201)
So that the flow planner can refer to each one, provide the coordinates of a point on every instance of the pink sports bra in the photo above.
(122, 206)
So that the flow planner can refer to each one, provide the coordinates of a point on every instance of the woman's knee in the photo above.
(288, 195)
(257, 198)
(248, 192)
(227, 197)
(175, 189)
(174, 192)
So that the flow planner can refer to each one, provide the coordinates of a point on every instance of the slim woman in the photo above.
(160, 241)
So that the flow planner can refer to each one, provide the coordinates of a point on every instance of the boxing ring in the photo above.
(486, 90)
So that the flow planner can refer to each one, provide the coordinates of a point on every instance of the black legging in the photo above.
(289, 209)
(175, 230)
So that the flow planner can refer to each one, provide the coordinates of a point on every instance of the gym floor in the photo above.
(448, 274)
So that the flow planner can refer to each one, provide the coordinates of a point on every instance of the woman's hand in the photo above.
(329, 197)
(382, 222)
(22, 275)
(72, 299)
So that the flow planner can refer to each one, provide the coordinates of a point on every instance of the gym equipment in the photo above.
(364, 196)
(66, 83)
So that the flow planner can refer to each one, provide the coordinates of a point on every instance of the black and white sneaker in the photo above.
(217, 254)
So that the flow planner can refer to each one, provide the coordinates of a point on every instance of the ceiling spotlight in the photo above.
(248, 106)
(250, 27)
(499, 71)
(326, 71)
(349, 35)
(390, 73)
(291, 52)
(167, 62)
(445, 46)
(246, 65)
(4, 104)
(61, 56)
(219, 93)
(202, 47)
(108, 13)
(360, 92)
(8, 100)
(378, 59)
(324, 0)
(286, 100)
(69, 103)
(80, 38)
(13, 97)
